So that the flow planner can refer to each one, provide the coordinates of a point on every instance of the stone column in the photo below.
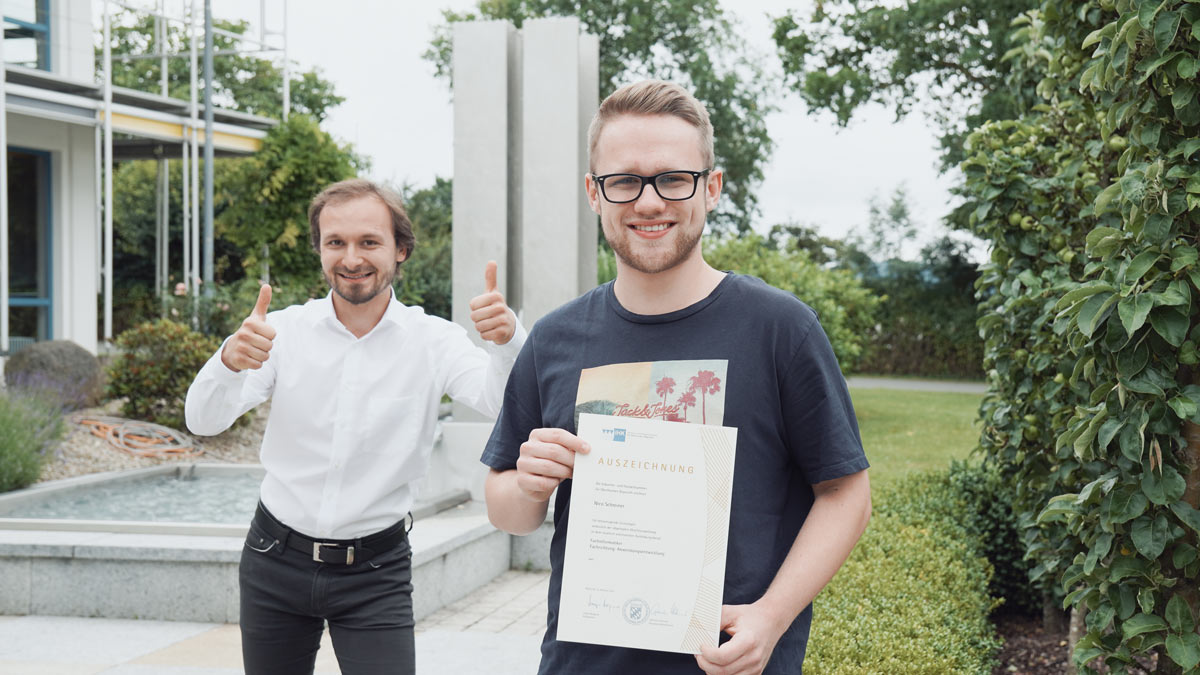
(557, 240)
(486, 95)
(522, 104)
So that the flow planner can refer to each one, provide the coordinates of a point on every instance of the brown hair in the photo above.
(354, 188)
(653, 97)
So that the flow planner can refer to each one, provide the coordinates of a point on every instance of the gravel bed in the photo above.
(81, 452)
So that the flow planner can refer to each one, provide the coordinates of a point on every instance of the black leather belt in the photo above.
(333, 551)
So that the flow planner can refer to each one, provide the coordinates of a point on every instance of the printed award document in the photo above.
(649, 524)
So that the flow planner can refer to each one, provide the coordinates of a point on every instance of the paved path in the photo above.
(916, 385)
(496, 630)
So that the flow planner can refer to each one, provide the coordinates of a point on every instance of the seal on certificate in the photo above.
(636, 611)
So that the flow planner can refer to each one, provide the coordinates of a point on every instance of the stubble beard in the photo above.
(364, 295)
(654, 261)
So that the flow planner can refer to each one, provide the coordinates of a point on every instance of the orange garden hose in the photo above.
(140, 439)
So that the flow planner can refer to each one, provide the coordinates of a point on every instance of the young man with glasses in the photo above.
(673, 338)
(354, 380)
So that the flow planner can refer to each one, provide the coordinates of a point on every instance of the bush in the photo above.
(156, 365)
(846, 309)
(220, 313)
(28, 428)
(913, 596)
(59, 370)
(990, 518)
(927, 324)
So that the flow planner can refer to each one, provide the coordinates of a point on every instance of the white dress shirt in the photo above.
(352, 419)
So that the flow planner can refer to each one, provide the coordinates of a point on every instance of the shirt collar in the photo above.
(394, 314)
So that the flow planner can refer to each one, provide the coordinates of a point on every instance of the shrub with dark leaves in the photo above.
(156, 365)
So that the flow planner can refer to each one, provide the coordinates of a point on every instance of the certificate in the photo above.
(649, 524)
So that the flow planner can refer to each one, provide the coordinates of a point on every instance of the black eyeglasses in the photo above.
(673, 186)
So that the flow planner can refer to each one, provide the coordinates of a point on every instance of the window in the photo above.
(27, 33)
(29, 316)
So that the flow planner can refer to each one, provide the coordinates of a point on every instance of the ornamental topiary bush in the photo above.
(57, 369)
(156, 365)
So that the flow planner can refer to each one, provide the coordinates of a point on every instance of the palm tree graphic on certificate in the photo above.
(663, 390)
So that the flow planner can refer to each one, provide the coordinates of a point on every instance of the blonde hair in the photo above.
(653, 97)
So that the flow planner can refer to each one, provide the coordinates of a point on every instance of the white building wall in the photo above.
(73, 215)
(71, 31)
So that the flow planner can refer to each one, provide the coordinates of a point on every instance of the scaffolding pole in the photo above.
(186, 221)
(287, 69)
(193, 145)
(4, 309)
(108, 177)
(197, 228)
(208, 148)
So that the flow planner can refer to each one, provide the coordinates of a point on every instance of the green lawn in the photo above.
(905, 431)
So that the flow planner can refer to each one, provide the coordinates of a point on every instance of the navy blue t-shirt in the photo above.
(748, 356)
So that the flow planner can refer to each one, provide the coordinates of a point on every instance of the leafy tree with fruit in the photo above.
(1095, 397)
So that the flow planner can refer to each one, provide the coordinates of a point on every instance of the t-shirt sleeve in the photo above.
(520, 412)
(818, 415)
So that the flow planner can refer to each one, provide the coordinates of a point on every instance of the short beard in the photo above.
(385, 282)
(684, 245)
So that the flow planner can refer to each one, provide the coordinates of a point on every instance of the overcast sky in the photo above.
(397, 113)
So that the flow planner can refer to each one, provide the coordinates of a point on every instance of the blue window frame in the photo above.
(30, 246)
(27, 33)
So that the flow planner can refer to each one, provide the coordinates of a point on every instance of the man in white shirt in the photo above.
(355, 380)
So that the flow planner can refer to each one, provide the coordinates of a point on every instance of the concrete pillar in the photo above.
(522, 104)
(483, 182)
(486, 95)
(556, 247)
(589, 102)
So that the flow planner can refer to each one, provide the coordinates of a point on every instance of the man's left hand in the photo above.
(493, 319)
(753, 634)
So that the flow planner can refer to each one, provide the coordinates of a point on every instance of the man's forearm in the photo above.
(837, 519)
(509, 508)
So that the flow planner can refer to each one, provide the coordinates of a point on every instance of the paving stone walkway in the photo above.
(497, 629)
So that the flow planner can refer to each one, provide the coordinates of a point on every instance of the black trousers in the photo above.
(287, 598)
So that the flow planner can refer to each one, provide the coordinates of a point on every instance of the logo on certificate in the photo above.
(636, 611)
(617, 435)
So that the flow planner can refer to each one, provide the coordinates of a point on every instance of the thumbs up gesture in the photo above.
(250, 346)
(493, 319)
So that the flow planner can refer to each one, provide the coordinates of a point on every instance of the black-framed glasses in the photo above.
(673, 186)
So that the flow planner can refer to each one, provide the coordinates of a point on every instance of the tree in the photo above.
(425, 278)
(793, 236)
(242, 82)
(848, 53)
(692, 42)
(264, 201)
(1090, 202)
(889, 226)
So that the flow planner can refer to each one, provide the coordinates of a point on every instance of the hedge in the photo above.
(913, 597)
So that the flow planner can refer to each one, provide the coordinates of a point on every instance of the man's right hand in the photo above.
(547, 459)
(250, 346)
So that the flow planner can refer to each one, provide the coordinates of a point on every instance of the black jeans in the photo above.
(287, 597)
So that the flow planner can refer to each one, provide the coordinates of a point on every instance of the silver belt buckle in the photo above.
(317, 552)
